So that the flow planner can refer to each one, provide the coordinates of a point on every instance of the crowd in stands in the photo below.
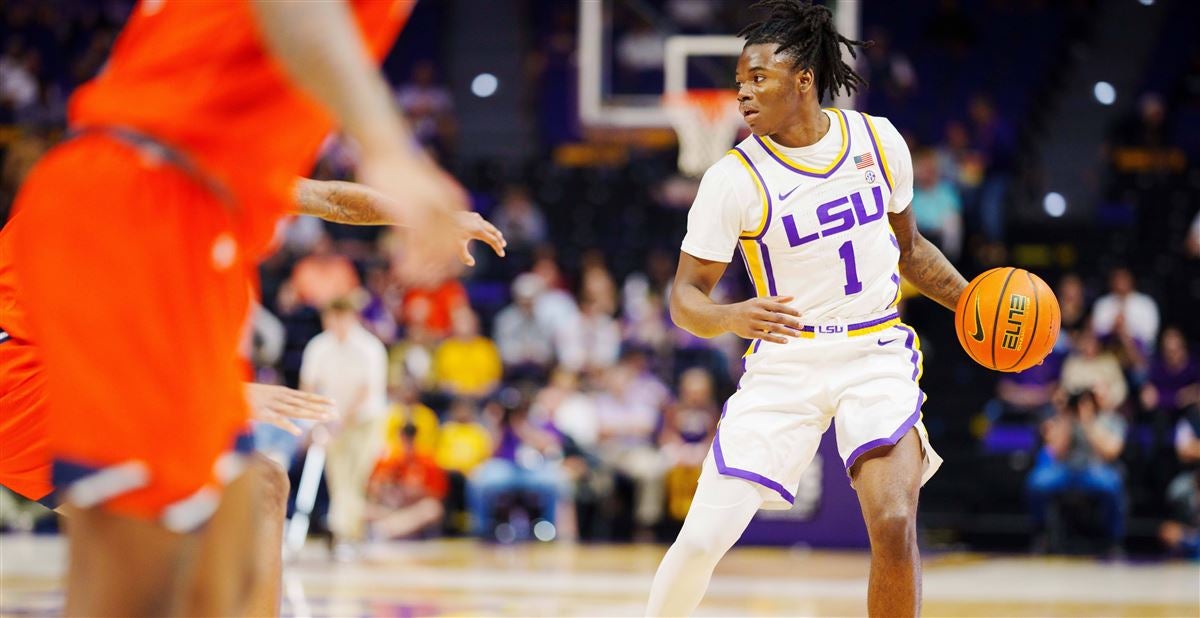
(550, 406)
(1115, 377)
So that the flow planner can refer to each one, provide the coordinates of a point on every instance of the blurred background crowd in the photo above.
(547, 395)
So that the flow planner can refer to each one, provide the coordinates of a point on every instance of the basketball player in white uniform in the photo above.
(817, 202)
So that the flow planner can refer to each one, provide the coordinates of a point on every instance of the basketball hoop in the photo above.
(706, 121)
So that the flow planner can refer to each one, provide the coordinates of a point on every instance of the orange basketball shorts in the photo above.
(24, 451)
(137, 297)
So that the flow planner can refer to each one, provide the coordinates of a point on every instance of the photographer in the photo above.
(1082, 443)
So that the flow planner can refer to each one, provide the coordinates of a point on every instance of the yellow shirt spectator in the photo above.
(424, 419)
(462, 446)
(467, 364)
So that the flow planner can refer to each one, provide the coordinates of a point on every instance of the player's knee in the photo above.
(274, 485)
(699, 547)
(894, 531)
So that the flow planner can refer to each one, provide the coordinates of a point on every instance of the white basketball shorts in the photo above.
(862, 375)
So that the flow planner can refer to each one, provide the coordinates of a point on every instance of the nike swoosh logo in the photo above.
(783, 196)
(882, 342)
(978, 334)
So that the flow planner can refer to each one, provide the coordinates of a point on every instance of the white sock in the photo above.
(720, 512)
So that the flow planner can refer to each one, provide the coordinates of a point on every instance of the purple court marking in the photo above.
(878, 159)
(766, 191)
(833, 169)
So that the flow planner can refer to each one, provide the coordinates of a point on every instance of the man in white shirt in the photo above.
(348, 364)
(1125, 310)
(525, 338)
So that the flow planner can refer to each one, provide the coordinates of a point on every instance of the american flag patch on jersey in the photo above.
(864, 160)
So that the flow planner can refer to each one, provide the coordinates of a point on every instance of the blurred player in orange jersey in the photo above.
(25, 460)
(157, 210)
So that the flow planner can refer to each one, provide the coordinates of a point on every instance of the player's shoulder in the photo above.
(883, 127)
(737, 164)
(748, 152)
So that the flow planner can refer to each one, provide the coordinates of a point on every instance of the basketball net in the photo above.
(706, 121)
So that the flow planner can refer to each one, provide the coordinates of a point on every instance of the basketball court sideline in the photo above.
(467, 578)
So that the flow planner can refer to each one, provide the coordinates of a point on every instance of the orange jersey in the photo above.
(197, 76)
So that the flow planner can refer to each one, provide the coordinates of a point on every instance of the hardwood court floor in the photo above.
(464, 578)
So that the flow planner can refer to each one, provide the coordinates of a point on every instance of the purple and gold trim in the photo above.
(754, 251)
(766, 257)
(755, 267)
(912, 343)
(757, 259)
(880, 155)
(745, 475)
(860, 329)
(764, 195)
(889, 440)
(828, 171)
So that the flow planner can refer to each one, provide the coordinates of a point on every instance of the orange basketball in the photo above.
(1007, 319)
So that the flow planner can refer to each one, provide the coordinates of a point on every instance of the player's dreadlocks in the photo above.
(805, 32)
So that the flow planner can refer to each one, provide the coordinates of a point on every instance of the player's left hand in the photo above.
(278, 405)
(472, 226)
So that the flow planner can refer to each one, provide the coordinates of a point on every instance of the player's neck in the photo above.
(810, 126)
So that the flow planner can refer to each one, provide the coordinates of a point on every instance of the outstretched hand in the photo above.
(352, 203)
(279, 405)
(427, 200)
(472, 226)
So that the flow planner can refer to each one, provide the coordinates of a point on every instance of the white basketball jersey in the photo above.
(812, 227)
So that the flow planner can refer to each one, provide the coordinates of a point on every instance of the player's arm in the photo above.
(693, 309)
(922, 263)
(715, 221)
(350, 203)
(345, 202)
(319, 46)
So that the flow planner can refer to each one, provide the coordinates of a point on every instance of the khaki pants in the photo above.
(645, 465)
(349, 460)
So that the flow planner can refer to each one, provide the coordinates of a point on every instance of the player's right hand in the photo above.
(768, 318)
(430, 200)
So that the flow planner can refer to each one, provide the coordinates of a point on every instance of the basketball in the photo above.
(1007, 319)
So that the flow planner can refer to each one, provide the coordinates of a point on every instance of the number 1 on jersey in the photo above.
(853, 285)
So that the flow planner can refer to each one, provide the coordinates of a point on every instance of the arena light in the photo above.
(1055, 204)
(544, 531)
(484, 85)
(1104, 93)
(1146, 2)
